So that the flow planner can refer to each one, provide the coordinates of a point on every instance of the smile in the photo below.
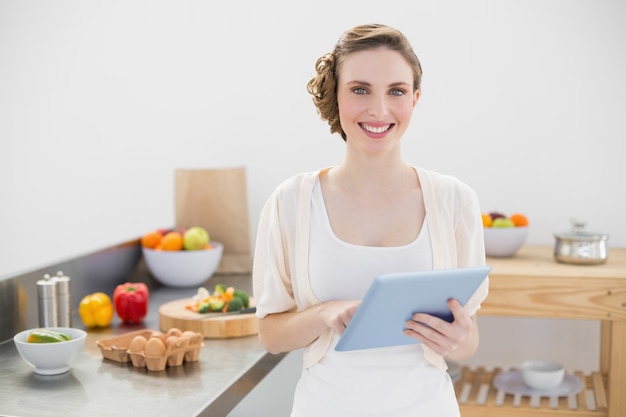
(376, 129)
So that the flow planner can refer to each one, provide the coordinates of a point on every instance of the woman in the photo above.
(323, 236)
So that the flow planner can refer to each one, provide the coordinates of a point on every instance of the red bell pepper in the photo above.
(131, 301)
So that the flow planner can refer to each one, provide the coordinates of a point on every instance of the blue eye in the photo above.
(396, 92)
(359, 90)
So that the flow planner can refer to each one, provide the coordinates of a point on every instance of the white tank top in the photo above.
(393, 381)
(342, 271)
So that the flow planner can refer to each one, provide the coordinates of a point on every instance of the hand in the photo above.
(337, 314)
(442, 337)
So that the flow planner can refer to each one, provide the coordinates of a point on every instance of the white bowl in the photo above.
(542, 374)
(183, 268)
(504, 242)
(50, 358)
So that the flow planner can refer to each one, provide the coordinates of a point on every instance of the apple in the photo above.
(502, 222)
(195, 238)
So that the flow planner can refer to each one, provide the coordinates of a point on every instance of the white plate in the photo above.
(512, 382)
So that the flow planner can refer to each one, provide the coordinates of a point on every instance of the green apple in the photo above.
(502, 222)
(195, 238)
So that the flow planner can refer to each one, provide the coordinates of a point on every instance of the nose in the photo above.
(378, 106)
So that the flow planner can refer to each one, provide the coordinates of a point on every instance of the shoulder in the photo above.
(298, 181)
(293, 190)
(293, 187)
(443, 184)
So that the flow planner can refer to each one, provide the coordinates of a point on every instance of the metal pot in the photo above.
(580, 246)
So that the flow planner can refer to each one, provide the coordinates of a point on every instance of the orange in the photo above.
(151, 240)
(487, 220)
(519, 220)
(172, 241)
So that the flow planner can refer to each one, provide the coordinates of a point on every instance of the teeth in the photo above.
(376, 129)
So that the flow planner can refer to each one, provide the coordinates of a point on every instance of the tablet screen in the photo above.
(392, 299)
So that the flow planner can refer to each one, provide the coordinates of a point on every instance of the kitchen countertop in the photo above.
(226, 371)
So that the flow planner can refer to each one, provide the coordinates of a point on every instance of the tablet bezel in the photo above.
(393, 298)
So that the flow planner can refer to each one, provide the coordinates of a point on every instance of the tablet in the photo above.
(393, 298)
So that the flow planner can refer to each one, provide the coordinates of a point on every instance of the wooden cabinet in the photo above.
(533, 284)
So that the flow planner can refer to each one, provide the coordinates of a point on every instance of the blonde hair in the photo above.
(323, 86)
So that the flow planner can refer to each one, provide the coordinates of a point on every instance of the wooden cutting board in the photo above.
(211, 325)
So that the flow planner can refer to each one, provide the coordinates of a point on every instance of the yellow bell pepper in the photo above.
(96, 310)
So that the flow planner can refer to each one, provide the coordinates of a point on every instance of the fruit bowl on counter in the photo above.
(181, 258)
(183, 269)
(504, 235)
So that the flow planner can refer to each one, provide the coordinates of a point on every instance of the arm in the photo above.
(288, 321)
(282, 332)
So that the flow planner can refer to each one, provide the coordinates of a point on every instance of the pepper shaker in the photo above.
(47, 298)
(64, 300)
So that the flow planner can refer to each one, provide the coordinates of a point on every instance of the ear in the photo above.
(416, 96)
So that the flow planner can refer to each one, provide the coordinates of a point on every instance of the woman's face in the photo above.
(376, 98)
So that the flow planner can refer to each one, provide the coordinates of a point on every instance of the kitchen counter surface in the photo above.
(225, 372)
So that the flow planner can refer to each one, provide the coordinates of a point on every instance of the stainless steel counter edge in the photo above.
(226, 371)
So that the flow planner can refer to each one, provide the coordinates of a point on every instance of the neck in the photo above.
(377, 175)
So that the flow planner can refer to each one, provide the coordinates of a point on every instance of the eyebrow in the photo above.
(367, 84)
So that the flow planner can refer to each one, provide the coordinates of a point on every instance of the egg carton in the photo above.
(185, 349)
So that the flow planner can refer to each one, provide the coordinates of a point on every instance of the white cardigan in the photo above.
(280, 267)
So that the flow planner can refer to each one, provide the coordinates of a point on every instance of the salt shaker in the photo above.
(64, 300)
(47, 298)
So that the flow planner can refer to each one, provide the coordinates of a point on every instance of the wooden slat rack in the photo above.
(533, 284)
(479, 398)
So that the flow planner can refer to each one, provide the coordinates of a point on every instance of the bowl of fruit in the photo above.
(181, 258)
(504, 235)
(50, 350)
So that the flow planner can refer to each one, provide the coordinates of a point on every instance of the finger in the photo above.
(461, 318)
(425, 332)
(416, 333)
(456, 308)
(430, 321)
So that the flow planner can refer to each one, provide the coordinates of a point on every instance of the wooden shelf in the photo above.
(533, 284)
(479, 398)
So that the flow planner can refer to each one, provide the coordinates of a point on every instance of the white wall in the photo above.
(100, 101)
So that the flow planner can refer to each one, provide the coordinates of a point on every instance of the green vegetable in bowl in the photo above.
(47, 336)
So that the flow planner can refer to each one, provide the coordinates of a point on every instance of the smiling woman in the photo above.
(324, 235)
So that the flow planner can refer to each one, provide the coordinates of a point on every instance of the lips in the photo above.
(376, 128)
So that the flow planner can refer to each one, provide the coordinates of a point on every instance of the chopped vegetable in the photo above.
(219, 289)
(47, 336)
(224, 299)
(244, 297)
(235, 304)
(216, 304)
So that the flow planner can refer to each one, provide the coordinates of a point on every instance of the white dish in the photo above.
(504, 242)
(512, 382)
(541, 374)
(50, 358)
(183, 268)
